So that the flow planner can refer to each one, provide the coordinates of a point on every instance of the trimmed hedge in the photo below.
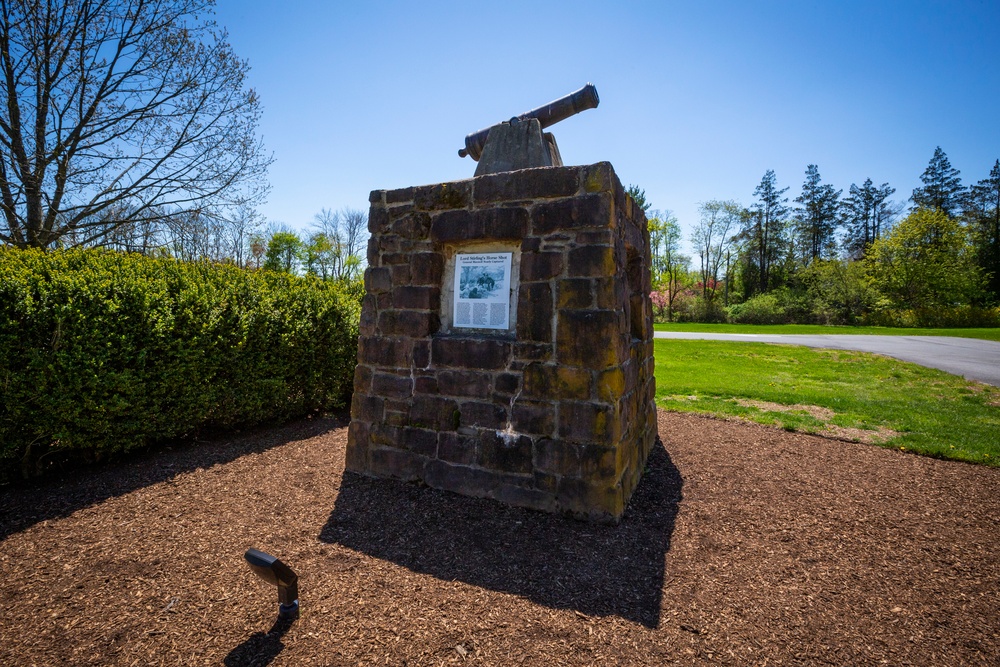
(103, 352)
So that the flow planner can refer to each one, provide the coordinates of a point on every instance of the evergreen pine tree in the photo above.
(867, 212)
(764, 235)
(639, 197)
(983, 211)
(817, 220)
(942, 187)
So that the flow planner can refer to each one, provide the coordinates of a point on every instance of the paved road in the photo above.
(969, 357)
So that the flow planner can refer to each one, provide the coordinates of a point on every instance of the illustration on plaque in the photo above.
(482, 290)
(480, 282)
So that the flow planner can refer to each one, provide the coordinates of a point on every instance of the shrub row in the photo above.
(785, 306)
(957, 316)
(102, 352)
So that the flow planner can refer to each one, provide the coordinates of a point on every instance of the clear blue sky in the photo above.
(698, 98)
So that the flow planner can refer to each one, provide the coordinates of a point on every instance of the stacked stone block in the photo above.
(556, 413)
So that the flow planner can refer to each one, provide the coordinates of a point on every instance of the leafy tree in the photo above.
(321, 255)
(284, 251)
(867, 213)
(713, 240)
(839, 291)
(817, 220)
(353, 267)
(983, 211)
(664, 238)
(942, 188)
(764, 236)
(926, 261)
(115, 112)
(639, 197)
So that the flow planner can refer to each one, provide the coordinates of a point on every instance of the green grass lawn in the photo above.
(819, 329)
(853, 395)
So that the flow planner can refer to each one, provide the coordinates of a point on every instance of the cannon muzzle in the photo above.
(548, 115)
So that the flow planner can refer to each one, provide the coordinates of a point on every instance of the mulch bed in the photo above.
(743, 545)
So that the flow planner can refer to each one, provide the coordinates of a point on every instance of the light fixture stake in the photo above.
(273, 571)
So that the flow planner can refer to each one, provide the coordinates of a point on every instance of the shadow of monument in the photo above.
(552, 560)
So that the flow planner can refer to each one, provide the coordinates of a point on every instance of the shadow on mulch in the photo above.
(261, 648)
(552, 560)
(25, 504)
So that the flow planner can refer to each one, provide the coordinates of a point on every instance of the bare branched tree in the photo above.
(119, 107)
(327, 244)
(354, 226)
(197, 234)
(144, 236)
(242, 225)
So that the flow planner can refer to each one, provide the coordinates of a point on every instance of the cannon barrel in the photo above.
(547, 115)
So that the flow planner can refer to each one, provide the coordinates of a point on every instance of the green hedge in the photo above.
(941, 317)
(102, 352)
(761, 309)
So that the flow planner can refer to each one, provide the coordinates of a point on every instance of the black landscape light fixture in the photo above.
(273, 571)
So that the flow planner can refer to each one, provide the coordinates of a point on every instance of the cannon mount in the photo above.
(520, 143)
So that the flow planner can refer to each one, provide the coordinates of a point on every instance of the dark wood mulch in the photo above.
(743, 545)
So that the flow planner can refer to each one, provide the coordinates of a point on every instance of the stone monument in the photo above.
(506, 346)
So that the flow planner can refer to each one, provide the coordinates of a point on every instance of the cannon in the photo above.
(519, 143)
